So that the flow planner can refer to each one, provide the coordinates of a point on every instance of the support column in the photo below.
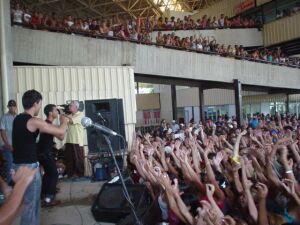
(238, 100)
(201, 105)
(287, 103)
(6, 52)
(174, 102)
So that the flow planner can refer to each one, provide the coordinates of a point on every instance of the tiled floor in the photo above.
(77, 198)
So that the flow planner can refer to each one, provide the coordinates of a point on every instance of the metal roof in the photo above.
(108, 8)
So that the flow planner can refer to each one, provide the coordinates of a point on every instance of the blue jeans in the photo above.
(9, 159)
(31, 201)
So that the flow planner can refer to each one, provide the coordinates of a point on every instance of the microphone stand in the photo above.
(125, 191)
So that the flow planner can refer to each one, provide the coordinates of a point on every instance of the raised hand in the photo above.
(289, 186)
(262, 190)
(218, 159)
(210, 189)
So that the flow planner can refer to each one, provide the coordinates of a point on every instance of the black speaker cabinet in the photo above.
(108, 112)
(111, 206)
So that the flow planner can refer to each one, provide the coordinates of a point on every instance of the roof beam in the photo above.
(90, 7)
(120, 4)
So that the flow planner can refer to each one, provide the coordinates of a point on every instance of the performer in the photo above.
(46, 159)
(26, 128)
(74, 142)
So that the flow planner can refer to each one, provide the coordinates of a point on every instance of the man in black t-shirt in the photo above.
(46, 159)
(26, 127)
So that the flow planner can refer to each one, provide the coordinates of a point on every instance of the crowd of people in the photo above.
(139, 30)
(221, 173)
(210, 45)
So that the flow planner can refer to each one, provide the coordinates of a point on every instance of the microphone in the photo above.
(87, 122)
(101, 117)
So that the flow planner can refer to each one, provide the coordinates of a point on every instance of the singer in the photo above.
(74, 143)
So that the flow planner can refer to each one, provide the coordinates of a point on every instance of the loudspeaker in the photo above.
(111, 206)
(108, 112)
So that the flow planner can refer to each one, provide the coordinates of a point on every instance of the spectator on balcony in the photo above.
(221, 21)
(44, 20)
(26, 16)
(123, 33)
(159, 38)
(214, 23)
(17, 14)
(94, 27)
(69, 21)
(103, 29)
(53, 21)
(36, 20)
(270, 56)
(227, 22)
(204, 21)
(85, 26)
(134, 35)
(159, 24)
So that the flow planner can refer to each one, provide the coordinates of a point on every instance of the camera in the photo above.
(65, 107)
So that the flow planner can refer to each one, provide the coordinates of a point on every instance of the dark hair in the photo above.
(49, 108)
(30, 97)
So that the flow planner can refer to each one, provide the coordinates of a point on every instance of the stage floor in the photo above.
(77, 198)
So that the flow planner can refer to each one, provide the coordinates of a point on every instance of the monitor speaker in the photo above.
(111, 206)
(108, 112)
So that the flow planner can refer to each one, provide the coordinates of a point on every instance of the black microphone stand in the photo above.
(125, 191)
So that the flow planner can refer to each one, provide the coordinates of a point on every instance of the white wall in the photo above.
(41, 47)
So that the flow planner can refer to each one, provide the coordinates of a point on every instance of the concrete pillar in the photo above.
(6, 55)
(238, 101)
(287, 103)
(201, 105)
(174, 102)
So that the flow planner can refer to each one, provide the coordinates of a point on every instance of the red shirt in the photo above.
(35, 20)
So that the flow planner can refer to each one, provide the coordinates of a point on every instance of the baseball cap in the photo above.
(11, 103)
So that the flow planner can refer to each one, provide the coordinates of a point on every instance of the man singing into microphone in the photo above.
(74, 142)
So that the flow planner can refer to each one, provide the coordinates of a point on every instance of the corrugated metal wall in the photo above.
(281, 30)
(59, 84)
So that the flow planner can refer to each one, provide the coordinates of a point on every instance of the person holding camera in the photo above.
(74, 152)
(46, 159)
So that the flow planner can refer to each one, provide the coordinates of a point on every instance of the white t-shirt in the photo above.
(27, 17)
(199, 47)
(17, 16)
(221, 22)
(70, 23)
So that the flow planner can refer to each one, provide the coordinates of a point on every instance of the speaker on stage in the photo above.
(107, 112)
(111, 206)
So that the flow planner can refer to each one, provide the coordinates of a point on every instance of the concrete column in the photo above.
(201, 105)
(287, 103)
(238, 100)
(6, 55)
(174, 102)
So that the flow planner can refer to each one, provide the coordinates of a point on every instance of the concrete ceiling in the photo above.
(108, 8)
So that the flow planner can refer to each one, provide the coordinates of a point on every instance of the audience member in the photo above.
(6, 125)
